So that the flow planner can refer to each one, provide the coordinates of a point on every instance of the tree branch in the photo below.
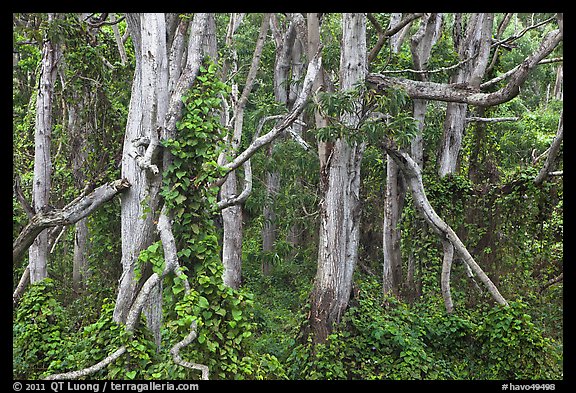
(465, 94)
(175, 352)
(236, 200)
(70, 214)
(413, 176)
(313, 69)
(382, 35)
(552, 153)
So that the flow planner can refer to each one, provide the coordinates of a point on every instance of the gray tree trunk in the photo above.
(161, 78)
(421, 46)
(474, 47)
(288, 51)
(232, 216)
(141, 202)
(38, 252)
(340, 205)
(393, 204)
(79, 155)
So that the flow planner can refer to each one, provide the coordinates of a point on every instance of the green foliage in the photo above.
(512, 347)
(384, 338)
(37, 328)
(358, 115)
(186, 182)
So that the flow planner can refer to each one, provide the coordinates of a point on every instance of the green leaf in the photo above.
(180, 199)
(203, 302)
(237, 315)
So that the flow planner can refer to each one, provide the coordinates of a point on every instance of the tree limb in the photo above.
(465, 94)
(175, 352)
(28, 209)
(552, 153)
(236, 200)
(70, 214)
(382, 35)
(413, 176)
(313, 69)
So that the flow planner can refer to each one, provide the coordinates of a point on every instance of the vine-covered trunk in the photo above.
(340, 204)
(161, 77)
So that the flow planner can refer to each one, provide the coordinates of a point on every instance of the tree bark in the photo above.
(393, 205)
(476, 46)
(38, 253)
(140, 204)
(73, 212)
(340, 205)
(445, 276)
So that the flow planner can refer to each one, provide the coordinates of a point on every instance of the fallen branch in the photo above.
(92, 369)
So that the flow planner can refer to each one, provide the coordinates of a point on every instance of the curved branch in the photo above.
(92, 369)
(70, 214)
(313, 69)
(413, 177)
(465, 94)
(236, 200)
(175, 352)
(552, 153)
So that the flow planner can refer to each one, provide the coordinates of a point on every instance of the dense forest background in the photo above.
(288, 196)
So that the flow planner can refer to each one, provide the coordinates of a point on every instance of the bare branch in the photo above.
(313, 69)
(22, 199)
(465, 94)
(236, 200)
(552, 153)
(491, 119)
(175, 352)
(70, 214)
(90, 370)
(382, 35)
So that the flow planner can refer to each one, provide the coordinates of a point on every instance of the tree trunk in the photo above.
(38, 252)
(232, 216)
(476, 45)
(285, 92)
(140, 203)
(421, 46)
(79, 157)
(340, 205)
(269, 231)
(161, 78)
(393, 204)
